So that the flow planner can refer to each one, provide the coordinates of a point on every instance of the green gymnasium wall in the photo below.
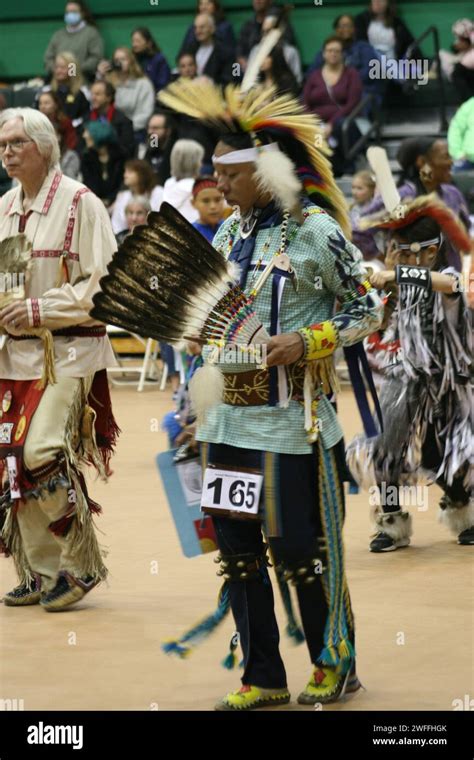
(27, 25)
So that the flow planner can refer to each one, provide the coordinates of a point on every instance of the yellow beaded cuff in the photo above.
(320, 340)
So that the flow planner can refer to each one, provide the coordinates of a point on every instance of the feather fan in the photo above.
(167, 282)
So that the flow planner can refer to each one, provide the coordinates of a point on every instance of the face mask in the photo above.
(72, 18)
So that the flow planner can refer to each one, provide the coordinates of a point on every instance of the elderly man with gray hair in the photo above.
(213, 60)
(49, 431)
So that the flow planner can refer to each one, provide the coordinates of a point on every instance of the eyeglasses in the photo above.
(15, 145)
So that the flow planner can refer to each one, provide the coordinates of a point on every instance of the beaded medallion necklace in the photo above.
(279, 259)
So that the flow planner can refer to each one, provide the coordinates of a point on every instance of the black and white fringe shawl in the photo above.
(427, 392)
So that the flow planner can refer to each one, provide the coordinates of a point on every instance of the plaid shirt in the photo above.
(328, 267)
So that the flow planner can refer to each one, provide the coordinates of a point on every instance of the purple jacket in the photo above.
(344, 97)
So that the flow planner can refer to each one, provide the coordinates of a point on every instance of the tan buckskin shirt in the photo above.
(65, 216)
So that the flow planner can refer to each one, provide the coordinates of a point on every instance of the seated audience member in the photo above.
(275, 71)
(186, 63)
(461, 137)
(224, 30)
(357, 53)
(332, 92)
(251, 30)
(102, 161)
(156, 154)
(134, 93)
(69, 161)
(372, 246)
(290, 52)
(80, 37)
(213, 60)
(463, 72)
(67, 83)
(136, 212)
(150, 57)
(139, 179)
(209, 203)
(104, 109)
(384, 29)
(186, 160)
(50, 104)
(461, 49)
(363, 191)
(184, 127)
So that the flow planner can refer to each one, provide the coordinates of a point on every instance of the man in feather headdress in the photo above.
(54, 421)
(291, 224)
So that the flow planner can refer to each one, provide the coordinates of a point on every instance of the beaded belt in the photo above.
(75, 332)
(252, 388)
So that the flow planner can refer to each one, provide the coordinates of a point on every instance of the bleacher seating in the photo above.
(24, 42)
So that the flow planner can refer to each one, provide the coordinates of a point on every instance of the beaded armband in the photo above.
(320, 340)
(418, 276)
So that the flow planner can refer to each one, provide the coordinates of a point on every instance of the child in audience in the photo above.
(209, 203)
(371, 245)
(363, 191)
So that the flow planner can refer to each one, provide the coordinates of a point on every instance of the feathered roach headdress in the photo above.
(428, 206)
(297, 161)
(402, 214)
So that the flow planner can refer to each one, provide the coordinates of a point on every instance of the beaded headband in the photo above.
(416, 246)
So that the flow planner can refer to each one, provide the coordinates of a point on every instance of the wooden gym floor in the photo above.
(413, 607)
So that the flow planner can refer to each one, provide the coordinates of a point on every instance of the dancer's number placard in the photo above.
(231, 490)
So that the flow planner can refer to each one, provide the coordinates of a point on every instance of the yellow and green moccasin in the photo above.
(252, 697)
(325, 685)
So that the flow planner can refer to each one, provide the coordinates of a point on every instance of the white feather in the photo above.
(206, 389)
(377, 158)
(276, 175)
(264, 49)
(233, 270)
(206, 298)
